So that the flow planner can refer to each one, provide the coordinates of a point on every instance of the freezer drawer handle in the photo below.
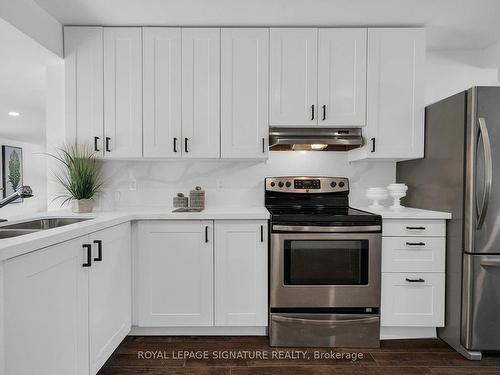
(415, 244)
(420, 280)
(316, 322)
(490, 263)
(415, 228)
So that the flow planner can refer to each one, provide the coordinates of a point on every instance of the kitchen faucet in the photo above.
(22, 192)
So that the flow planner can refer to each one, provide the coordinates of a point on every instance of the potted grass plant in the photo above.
(80, 175)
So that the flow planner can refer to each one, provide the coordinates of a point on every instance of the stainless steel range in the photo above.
(325, 265)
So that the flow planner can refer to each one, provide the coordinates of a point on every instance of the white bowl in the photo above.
(397, 191)
(376, 195)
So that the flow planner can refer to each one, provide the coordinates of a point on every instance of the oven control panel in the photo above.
(304, 184)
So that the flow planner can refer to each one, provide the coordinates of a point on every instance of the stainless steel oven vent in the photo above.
(314, 139)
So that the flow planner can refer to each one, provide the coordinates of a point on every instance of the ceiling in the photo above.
(22, 85)
(450, 24)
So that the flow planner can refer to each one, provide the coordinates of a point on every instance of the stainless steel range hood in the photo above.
(314, 139)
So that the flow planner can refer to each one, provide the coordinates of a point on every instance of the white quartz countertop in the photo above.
(407, 213)
(15, 246)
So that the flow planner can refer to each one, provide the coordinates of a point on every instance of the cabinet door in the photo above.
(175, 274)
(201, 93)
(245, 76)
(84, 85)
(45, 311)
(412, 299)
(395, 95)
(123, 91)
(294, 77)
(110, 292)
(241, 273)
(162, 92)
(342, 77)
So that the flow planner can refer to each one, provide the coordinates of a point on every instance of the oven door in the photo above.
(325, 270)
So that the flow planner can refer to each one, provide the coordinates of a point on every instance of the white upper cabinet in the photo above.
(241, 273)
(342, 77)
(84, 85)
(244, 92)
(162, 92)
(175, 274)
(293, 75)
(123, 92)
(395, 95)
(201, 92)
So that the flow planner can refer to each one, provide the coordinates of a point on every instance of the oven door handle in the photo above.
(325, 229)
(316, 322)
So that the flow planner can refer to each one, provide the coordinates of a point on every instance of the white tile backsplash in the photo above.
(230, 183)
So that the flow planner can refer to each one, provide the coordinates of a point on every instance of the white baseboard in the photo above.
(393, 333)
(198, 331)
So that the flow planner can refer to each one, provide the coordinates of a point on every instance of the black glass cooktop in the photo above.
(337, 215)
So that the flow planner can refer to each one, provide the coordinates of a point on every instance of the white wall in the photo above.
(34, 175)
(31, 19)
(451, 71)
(231, 183)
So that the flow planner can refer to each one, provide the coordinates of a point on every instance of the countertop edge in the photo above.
(17, 246)
(408, 213)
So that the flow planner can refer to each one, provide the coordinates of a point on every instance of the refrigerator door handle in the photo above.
(490, 263)
(482, 207)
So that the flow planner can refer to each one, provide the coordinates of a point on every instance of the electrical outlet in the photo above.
(132, 184)
(219, 184)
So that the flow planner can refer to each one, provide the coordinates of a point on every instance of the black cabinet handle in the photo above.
(99, 250)
(206, 233)
(415, 280)
(186, 144)
(373, 144)
(107, 144)
(175, 144)
(96, 140)
(415, 228)
(415, 243)
(324, 112)
(312, 112)
(263, 145)
(261, 233)
(88, 247)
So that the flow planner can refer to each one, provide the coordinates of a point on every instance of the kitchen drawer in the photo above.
(415, 227)
(413, 254)
(412, 304)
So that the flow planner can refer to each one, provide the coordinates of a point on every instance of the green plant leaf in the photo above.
(80, 172)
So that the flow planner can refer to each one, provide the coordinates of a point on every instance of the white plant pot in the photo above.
(81, 206)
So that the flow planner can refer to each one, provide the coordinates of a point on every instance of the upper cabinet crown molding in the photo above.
(395, 95)
(201, 92)
(123, 92)
(244, 92)
(162, 87)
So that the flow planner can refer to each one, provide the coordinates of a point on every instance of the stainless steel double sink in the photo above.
(32, 226)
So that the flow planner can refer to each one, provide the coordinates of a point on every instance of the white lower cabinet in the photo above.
(62, 317)
(110, 293)
(175, 273)
(413, 299)
(413, 277)
(186, 271)
(45, 312)
(240, 273)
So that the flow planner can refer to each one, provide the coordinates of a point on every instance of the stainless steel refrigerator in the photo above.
(460, 173)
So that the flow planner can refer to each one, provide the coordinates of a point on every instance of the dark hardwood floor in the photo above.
(174, 356)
